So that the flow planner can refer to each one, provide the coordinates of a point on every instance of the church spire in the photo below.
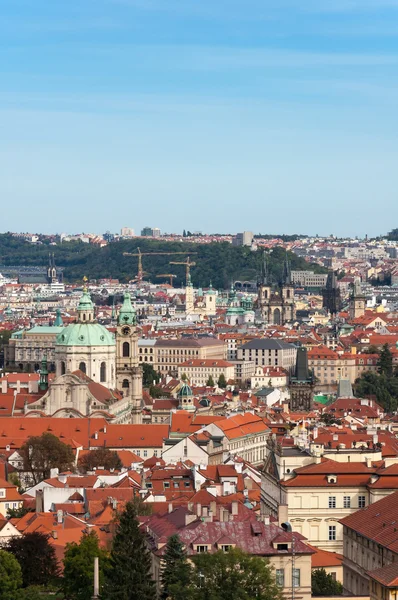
(127, 314)
(286, 271)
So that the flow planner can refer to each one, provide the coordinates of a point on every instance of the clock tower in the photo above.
(128, 369)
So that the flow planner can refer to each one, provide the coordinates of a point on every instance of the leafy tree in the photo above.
(210, 382)
(42, 453)
(129, 574)
(222, 382)
(78, 579)
(383, 387)
(101, 457)
(17, 513)
(36, 556)
(34, 592)
(10, 576)
(384, 364)
(184, 376)
(219, 261)
(156, 392)
(373, 349)
(177, 572)
(149, 375)
(323, 584)
(234, 575)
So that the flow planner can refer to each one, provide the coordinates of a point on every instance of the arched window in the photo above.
(126, 349)
(63, 368)
(103, 372)
(84, 316)
(125, 383)
(82, 367)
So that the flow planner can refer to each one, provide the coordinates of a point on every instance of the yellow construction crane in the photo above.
(188, 264)
(171, 275)
(140, 274)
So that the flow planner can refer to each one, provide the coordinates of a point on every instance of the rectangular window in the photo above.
(332, 533)
(347, 501)
(280, 577)
(332, 501)
(361, 501)
(296, 577)
(201, 549)
(166, 484)
(145, 452)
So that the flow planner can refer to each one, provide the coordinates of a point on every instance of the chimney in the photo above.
(318, 460)
(54, 534)
(369, 462)
(60, 516)
(170, 507)
(18, 386)
(199, 509)
(213, 507)
(4, 386)
(189, 518)
(96, 435)
(62, 478)
(235, 508)
(225, 516)
(283, 513)
(266, 520)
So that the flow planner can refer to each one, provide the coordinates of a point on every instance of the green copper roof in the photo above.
(85, 334)
(85, 302)
(127, 312)
(44, 329)
(185, 391)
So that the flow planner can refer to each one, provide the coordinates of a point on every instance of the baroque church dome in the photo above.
(85, 332)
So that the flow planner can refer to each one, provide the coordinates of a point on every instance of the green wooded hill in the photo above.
(220, 263)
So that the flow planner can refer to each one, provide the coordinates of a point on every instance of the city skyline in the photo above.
(217, 114)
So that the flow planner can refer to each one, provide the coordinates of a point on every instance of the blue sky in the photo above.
(212, 115)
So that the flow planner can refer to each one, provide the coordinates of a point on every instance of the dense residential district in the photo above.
(193, 442)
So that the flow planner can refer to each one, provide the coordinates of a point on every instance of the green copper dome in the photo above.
(185, 391)
(85, 334)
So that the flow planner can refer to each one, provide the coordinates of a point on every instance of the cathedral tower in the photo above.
(331, 295)
(128, 369)
(276, 302)
(357, 302)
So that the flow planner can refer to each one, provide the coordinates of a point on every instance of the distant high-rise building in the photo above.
(243, 239)
(108, 236)
(127, 232)
(150, 232)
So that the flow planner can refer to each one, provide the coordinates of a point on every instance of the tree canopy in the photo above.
(383, 387)
(128, 576)
(177, 572)
(219, 261)
(324, 584)
(78, 579)
(100, 457)
(36, 556)
(42, 453)
(10, 576)
(233, 575)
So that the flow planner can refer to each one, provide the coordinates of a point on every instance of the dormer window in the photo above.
(282, 547)
(201, 549)
(331, 478)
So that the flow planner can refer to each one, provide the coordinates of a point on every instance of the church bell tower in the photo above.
(128, 369)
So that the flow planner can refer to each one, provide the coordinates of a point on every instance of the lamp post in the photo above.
(288, 528)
